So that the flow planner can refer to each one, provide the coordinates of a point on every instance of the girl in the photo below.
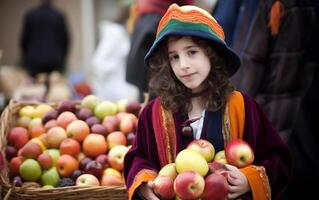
(190, 65)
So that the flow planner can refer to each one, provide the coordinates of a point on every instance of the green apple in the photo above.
(220, 157)
(54, 153)
(90, 101)
(50, 177)
(30, 170)
(105, 108)
(26, 111)
(168, 170)
(191, 160)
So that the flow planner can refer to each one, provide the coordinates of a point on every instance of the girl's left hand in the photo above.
(237, 182)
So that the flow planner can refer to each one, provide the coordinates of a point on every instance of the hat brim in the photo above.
(231, 59)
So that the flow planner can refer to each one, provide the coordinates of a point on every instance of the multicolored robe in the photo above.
(159, 140)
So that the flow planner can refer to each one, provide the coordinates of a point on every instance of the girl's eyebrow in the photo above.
(185, 48)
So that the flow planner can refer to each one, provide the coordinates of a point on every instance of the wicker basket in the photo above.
(28, 191)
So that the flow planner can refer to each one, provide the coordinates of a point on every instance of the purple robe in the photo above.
(270, 151)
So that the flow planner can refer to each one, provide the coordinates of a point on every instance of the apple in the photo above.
(189, 159)
(55, 154)
(111, 180)
(216, 187)
(10, 152)
(94, 145)
(99, 129)
(37, 130)
(87, 180)
(65, 118)
(31, 150)
(50, 124)
(216, 167)
(92, 120)
(50, 115)
(189, 185)
(30, 170)
(66, 165)
(66, 105)
(14, 165)
(133, 107)
(220, 157)
(239, 153)
(84, 162)
(102, 158)
(23, 121)
(164, 187)
(84, 113)
(128, 123)
(78, 130)
(111, 123)
(55, 136)
(168, 170)
(105, 108)
(45, 160)
(116, 138)
(70, 146)
(50, 177)
(26, 111)
(90, 102)
(40, 110)
(95, 168)
(35, 122)
(80, 156)
(204, 147)
(130, 137)
(18, 137)
(112, 171)
(116, 156)
(40, 141)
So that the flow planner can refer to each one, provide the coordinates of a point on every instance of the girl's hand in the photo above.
(237, 182)
(146, 191)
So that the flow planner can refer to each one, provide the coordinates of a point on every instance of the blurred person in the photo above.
(44, 39)
(147, 14)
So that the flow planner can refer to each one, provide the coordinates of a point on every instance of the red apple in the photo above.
(50, 124)
(111, 123)
(31, 150)
(204, 147)
(11, 152)
(45, 160)
(78, 130)
(14, 165)
(216, 167)
(92, 120)
(84, 162)
(164, 187)
(94, 145)
(111, 180)
(130, 138)
(116, 138)
(84, 113)
(189, 185)
(128, 123)
(116, 156)
(18, 137)
(65, 118)
(87, 180)
(66, 165)
(239, 153)
(95, 168)
(215, 187)
(102, 158)
(99, 129)
(50, 115)
(70, 146)
(133, 107)
(66, 105)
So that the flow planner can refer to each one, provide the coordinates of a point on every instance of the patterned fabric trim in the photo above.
(144, 175)
(165, 135)
(258, 181)
(193, 16)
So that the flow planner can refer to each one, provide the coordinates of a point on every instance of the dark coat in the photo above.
(44, 40)
(275, 70)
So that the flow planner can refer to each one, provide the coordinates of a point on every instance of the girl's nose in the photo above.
(184, 63)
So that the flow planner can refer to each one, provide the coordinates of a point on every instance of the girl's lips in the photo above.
(187, 76)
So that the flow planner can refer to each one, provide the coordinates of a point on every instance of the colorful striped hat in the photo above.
(193, 21)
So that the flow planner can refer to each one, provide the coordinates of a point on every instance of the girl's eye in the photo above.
(192, 52)
(173, 57)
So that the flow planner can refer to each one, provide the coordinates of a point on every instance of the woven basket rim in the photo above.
(70, 192)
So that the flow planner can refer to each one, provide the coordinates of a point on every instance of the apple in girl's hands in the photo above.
(220, 157)
(216, 187)
(204, 147)
(168, 170)
(189, 185)
(164, 187)
(239, 153)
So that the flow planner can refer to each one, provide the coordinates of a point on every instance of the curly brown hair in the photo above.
(174, 95)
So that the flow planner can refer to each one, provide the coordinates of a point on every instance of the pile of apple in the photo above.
(200, 174)
(72, 143)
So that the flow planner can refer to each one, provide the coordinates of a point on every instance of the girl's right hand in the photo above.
(146, 191)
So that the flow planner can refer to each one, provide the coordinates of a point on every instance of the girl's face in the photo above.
(189, 62)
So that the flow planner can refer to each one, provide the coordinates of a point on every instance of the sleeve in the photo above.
(141, 163)
(270, 172)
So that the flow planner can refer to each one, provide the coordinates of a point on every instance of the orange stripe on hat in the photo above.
(190, 14)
